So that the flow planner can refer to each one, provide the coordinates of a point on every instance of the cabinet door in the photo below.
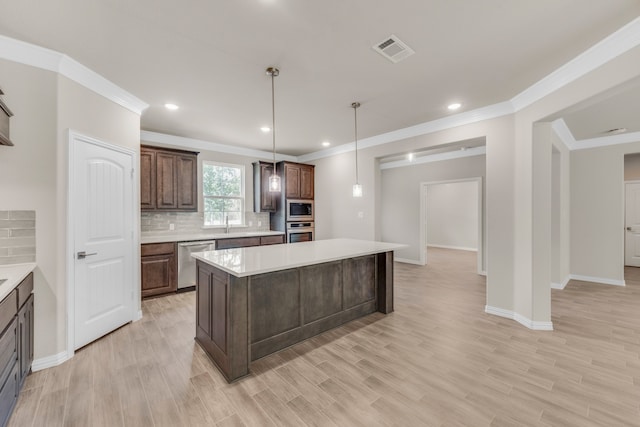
(166, 179)
(187, 182)
(25, 338)
(147, 179)
(306, 182)
(292, 181)
(267, 198)
(158, 274)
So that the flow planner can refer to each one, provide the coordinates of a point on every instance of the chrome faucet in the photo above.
(226, 223)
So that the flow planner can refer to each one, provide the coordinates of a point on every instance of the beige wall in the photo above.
(597, 211)
(45, 107)
(400, 198)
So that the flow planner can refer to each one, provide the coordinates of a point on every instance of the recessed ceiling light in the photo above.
(326, 144)
(265, 129)
(616, 131)
(454, 106)
(410, 157)
(171, 106)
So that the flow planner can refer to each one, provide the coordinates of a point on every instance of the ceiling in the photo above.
(209, 57)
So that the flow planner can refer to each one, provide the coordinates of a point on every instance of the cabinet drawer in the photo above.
(272, 240)
(158, 249)
(24, 289)
(240, 242)
(8, 309)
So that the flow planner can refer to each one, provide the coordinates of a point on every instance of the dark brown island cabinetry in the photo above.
(168, 180)
(159, 268)
(298, 180)
(263, 199)
(16, 344)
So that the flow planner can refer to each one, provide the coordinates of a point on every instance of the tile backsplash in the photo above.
(17, 237)
(192, 222)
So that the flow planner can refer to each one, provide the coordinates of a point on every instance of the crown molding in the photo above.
(621, 41)
(50, 60)
(564, 133)
(449, 155)
(605, 141)
(199, 144)
(466, 118)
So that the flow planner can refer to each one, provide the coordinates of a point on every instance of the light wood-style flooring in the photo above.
(438, 360)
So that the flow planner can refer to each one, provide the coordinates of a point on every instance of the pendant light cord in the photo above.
(355, 106)
(273, 116)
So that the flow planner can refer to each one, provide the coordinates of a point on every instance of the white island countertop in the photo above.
(249, 261)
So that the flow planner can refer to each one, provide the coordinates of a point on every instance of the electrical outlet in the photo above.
(172, 227)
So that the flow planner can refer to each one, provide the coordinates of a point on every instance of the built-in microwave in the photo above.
(299, 210)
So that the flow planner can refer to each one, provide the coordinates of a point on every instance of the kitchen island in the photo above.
(251, 302)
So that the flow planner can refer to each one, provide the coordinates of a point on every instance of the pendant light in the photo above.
(357, 188)
(274, 179)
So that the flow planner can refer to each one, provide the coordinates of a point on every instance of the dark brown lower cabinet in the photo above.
(16, 344)
(159, 268)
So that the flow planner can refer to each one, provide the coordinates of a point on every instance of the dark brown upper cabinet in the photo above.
(168, 180)
(263, 199)
(298, 181)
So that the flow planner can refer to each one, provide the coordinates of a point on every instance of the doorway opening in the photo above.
(452, 219)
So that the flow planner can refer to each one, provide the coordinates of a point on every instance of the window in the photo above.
(223, 191)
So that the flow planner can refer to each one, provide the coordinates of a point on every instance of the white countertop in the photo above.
(243, 262)
(14, 273)
(189, 237)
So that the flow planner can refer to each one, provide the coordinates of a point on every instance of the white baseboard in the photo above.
(459, 248)
(601, 280)
(482, 273)
(138, 316)
(561, 285)
(408, 261)
(49, 361)
(537, 326)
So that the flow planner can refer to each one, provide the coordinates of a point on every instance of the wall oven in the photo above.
(299, 210)
(300, 232)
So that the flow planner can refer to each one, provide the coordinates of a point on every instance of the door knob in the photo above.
(83, 254)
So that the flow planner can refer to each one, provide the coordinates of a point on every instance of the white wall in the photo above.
(452, 215)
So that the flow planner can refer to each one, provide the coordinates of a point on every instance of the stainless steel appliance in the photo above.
(299, 210)
(300, 232)
(187, 264)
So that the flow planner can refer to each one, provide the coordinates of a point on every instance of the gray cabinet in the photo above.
(16, 344)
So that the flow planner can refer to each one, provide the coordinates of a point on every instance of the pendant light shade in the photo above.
(357, 188)
(274, 179)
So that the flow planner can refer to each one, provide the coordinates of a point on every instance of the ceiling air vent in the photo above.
(394, 49)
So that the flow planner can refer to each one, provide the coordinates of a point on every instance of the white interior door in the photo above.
(632, 224)
(102, 203)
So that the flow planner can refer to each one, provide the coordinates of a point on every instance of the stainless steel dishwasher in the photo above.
(187, 264)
